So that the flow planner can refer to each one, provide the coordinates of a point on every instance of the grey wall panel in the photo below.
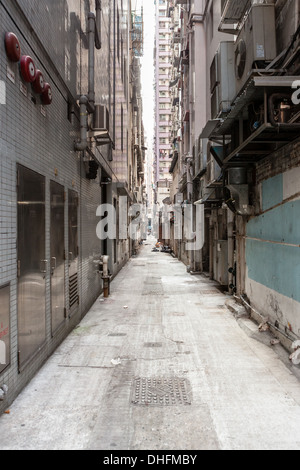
(32, 263)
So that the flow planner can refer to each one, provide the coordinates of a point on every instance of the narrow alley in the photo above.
(167, 368)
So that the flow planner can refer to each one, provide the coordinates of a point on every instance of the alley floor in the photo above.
(160, 365)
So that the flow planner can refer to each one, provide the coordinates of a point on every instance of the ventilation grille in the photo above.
(73, 290)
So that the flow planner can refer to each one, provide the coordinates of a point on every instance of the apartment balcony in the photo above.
(165, 99)
(164, 42)
(164, 88)
(165, 53)
(165, 111)
(164, 135)
(165, 147)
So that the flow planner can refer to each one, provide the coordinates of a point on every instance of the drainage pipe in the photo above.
(98, 40)
(82, 145)
(91, 79)
(231, 260)
(105, 276)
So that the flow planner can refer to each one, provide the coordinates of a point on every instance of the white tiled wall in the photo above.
(42, 139)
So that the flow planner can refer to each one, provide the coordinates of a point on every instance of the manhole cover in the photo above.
(152, 345)
(161, 392)
(117, 335)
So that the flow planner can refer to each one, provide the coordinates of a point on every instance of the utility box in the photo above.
(221, 262)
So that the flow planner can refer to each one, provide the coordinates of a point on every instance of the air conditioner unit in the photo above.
(202, 153)
(100, 119)
(214, 171)
(222, 80)
(256, 43)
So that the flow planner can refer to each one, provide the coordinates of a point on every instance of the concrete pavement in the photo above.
(160, 365)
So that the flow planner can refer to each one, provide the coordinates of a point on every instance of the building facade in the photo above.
(66, 149)
(238, 155)
(163, 101)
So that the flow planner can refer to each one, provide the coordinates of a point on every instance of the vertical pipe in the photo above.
(211, 247)
(91, 31)
(82, 145)
(98, 38)
(230, 228)
(114, 74)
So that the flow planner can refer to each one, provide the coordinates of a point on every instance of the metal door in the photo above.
(32, 265)
(57, 249)
(4, 327)
(73, 251)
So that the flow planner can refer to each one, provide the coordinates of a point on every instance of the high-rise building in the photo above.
(163, 102)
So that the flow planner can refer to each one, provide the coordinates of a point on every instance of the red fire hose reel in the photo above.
(28, 69)
(12, 46)
(47, 94)
(39, 83)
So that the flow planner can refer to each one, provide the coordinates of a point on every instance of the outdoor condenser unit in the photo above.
(100, 118)
(256, 42)
(222, 80)
(202, 153)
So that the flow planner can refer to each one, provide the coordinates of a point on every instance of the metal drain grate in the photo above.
(152, 345)
(161, 392)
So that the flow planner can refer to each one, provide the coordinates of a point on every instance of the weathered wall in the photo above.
(272, 241)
